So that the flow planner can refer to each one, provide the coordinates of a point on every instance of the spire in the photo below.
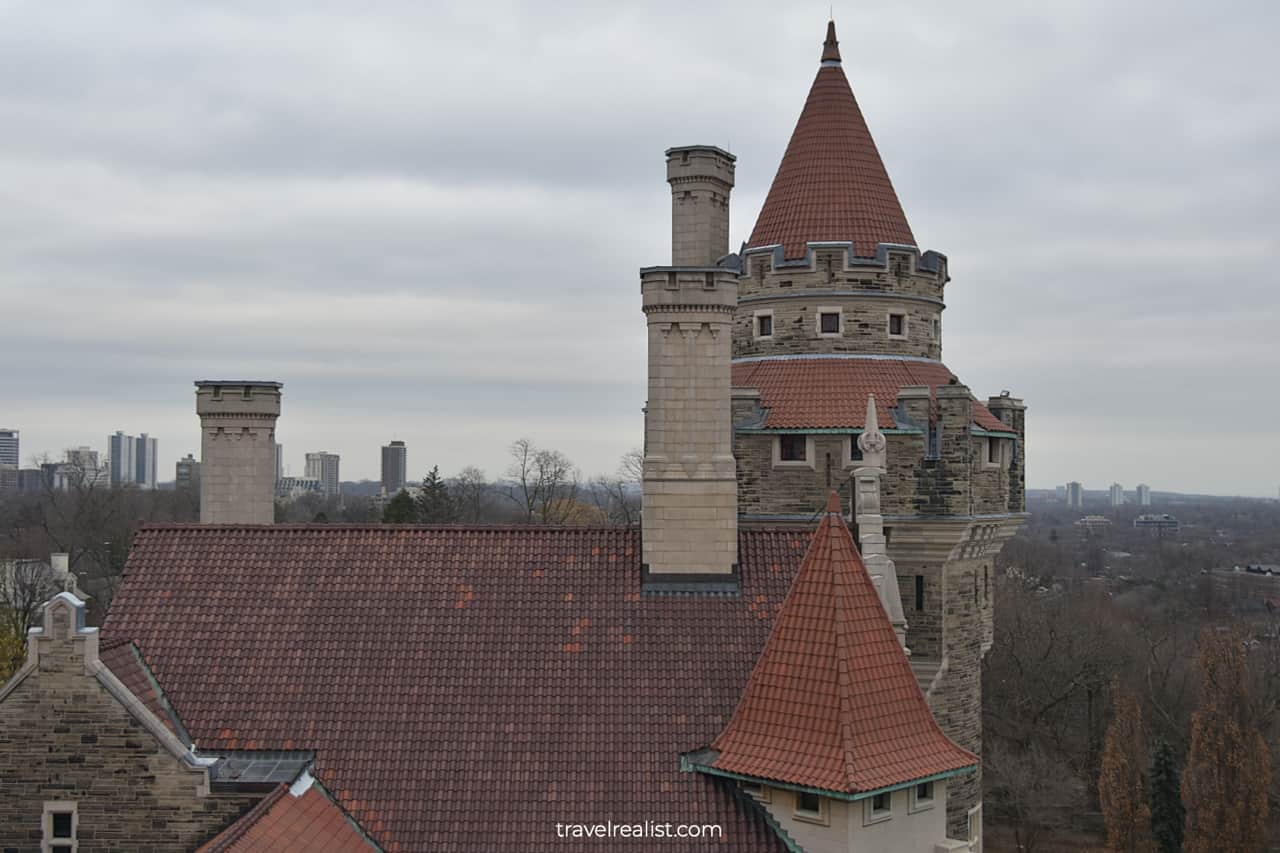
(831, 184)
(831, 47)
(832, 702)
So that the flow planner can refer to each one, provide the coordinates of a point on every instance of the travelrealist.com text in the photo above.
(645, 829)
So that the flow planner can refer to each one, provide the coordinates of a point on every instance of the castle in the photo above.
(787, 649)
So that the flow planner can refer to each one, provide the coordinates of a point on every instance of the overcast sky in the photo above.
(426, 219)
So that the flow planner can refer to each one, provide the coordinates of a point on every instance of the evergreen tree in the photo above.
(400, 510)
(435, 503)
(1167, 814)
(1228, 775)
(1120, 784)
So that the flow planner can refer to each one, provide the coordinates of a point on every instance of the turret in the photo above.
(701, 178)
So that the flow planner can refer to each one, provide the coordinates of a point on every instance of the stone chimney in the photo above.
(701, 178)
(237, 450)
(689, 520)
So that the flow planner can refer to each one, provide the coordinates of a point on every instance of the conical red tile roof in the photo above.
(832, 184)
(832, 702)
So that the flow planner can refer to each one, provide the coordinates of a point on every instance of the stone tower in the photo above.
(689, 491)
(237, 450)
(837, 303)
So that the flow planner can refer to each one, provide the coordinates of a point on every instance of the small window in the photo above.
(829, 322)
(809, 806)
(878, 808)
(855, 452)
(922, 796)
(919, 592)
(993, 451)
(764, 326)
(897, 325)
(937, 329)
(791, 448)
(59, 829)
(60, 824)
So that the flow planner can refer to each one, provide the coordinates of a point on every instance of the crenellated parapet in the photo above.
(890, 304)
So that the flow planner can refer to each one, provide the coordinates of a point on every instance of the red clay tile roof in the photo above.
(121, 657)
(832, 702)
(831, 184)
(463, 689)
(283, 823)
(831, 393)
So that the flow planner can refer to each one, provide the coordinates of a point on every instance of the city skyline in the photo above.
(259, 209)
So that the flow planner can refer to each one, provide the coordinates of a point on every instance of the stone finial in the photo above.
(872, 441)
(831, 47)
(871, 538)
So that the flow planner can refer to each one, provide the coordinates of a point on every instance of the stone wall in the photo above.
(864, 290)
(64, 737)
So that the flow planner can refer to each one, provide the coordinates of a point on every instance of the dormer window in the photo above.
(829, 322)
(897, 325)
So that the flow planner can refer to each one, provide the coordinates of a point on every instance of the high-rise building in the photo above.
(395, 467)
(132, 460)
(323, 466)
(1117, 494)
(186, 474)
(1075, 495)
(1144, 494)
(144, 455)
(9, 447)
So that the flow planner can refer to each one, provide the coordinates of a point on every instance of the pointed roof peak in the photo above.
(831, 185)
(831, 47)
(832, 702)
(833, 503)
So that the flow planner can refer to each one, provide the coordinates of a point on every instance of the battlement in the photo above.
(772, 259)
(710, 289)
(237, 398)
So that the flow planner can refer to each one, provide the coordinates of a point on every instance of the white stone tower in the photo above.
(237, 450)
(689, 521)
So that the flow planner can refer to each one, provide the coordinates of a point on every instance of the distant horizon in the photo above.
(295, 196)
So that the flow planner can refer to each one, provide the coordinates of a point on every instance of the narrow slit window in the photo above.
(919, 592)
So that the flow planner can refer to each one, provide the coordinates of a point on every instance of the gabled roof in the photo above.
(831, 392)
(832, 702)
(831, 184)
(284, 822)
(462, 689)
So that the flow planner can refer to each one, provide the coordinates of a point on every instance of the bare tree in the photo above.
(545, 483)
(25, 585)
(617, 497)
(471, 493)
